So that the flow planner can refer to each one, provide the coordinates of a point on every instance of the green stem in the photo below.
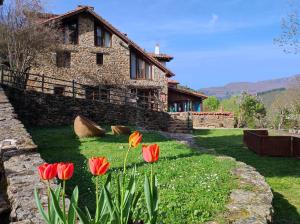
(123, 183)
(48, 194)
(97, 192)
(64, 198)
(151, 185)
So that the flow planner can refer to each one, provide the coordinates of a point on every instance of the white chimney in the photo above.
(157, 51)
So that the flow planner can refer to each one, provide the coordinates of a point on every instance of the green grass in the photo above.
(283, 174)
(194, 187)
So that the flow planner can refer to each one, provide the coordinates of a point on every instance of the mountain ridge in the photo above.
(235, 88)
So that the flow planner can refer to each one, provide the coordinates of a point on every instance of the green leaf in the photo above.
(53, 215)
(40, 207)
(110, 205)
(88, 214)
(71, 212)
(82, 217)
(57, 207)
(148, 196)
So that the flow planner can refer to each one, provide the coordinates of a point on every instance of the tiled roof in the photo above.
(164, 57)
(114, 30)
(172, 81)
(188, 92)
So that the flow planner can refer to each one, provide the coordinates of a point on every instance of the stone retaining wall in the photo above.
(19, 162)
(41, 109)
(213, 120)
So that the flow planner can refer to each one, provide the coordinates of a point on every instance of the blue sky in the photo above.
(214, 42)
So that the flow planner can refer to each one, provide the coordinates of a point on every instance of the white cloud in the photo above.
(213, 21)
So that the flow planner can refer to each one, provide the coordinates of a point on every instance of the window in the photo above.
(99, 59)
(102, 37)
(71, 32)
(139, 68)
(59, 90)
(97, 93)
(63, 59)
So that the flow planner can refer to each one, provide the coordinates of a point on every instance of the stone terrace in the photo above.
(18, 166)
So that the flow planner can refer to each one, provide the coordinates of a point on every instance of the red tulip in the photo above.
(135, 139)
(47, 171)
(98, 165)
(151, 153)
(65, 170)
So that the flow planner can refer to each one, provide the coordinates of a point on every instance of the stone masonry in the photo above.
(213, 120)
(84, 69)
(40, 109)
(19, 161)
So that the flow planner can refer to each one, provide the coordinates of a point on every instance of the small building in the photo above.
(182, 99)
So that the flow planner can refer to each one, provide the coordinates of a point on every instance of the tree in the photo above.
(290, 27)
(251, 111)
(212, 103)
(285, 110)
(23, 36)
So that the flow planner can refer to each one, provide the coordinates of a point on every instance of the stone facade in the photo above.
(84, 69)
(213, 120)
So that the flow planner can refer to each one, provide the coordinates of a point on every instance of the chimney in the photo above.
(157, 50)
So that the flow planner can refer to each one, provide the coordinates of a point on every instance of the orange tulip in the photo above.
(151, 153)
(65, 170)
(135, 139)
(98, 165)
(47, 171)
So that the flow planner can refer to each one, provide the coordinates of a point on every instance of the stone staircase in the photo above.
(180, 123)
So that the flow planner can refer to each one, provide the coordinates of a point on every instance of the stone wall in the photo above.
(213, 120)
(40, 109)
(19, 162)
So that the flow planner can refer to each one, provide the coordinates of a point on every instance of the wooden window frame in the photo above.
(59, 90)
(103, 31)
(66, 24)
(98, 60)
(61, 55)
(144, 61)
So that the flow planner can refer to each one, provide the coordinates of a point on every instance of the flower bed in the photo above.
(193, 187)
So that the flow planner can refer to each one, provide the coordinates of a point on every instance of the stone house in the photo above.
(94, 52)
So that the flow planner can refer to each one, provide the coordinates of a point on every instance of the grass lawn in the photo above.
(194, 187)
(283, 174)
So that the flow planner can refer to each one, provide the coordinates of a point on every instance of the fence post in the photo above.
(99, 92)
(73, 89)
(2, 74)
(43, 82)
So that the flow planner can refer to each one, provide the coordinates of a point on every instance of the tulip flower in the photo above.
(135, 139)
(98, 165)
(150, 153)
(47, 171)
(65, 170)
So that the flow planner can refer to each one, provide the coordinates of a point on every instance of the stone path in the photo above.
(252, 202)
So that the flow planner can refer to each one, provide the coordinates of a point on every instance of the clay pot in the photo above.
(120, 130)
(84, 127)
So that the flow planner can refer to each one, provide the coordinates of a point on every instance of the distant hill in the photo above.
(250, 87)
(268, 97)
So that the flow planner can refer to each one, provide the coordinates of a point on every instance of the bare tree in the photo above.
(289, 39)
(23, 36)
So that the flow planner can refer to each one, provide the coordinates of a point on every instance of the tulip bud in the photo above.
(150, 153)
(135, 139)
(98, 165)
(65, 170)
